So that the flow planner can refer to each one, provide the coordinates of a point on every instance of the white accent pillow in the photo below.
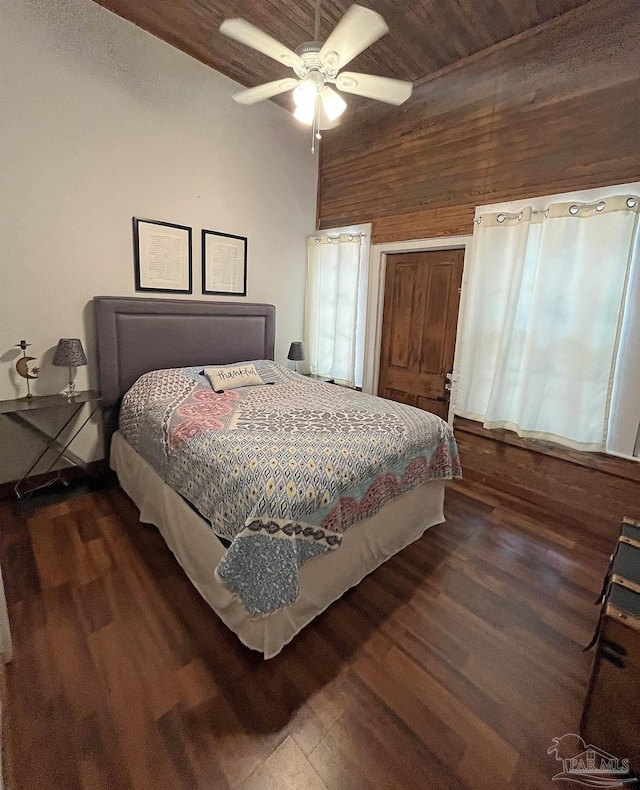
(232, 377)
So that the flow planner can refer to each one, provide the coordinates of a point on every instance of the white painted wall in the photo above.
(101, 121)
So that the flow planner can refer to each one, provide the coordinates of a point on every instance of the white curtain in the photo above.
(624, 421)
(540, 320)
(334, 317)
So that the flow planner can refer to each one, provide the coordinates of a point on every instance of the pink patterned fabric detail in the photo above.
(201, 415)
(386, 487)
(383, 486)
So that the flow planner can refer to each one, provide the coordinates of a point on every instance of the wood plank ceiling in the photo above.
(425, 35)
(523, 118)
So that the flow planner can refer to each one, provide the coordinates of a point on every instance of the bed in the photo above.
(294, 464)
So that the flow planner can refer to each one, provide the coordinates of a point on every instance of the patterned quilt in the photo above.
(281, 470)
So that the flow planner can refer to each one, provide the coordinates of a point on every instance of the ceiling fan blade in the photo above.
(252, 36)
(266, 91)
(356, 31)
(379, 88)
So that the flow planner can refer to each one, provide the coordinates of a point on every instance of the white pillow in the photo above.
(232, 377)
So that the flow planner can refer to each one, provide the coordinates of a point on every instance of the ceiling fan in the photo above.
(317, 67)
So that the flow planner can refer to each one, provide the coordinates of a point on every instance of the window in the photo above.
(336, 304)
(549, 331)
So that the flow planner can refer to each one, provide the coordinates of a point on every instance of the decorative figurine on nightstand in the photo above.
(69, 354)
(22, 366)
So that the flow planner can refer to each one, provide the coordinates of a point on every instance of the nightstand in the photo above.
(16, 410)
(326, 379)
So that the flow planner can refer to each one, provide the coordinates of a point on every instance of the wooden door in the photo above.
(421, 300)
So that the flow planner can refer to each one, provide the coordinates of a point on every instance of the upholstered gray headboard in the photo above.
(139, 335)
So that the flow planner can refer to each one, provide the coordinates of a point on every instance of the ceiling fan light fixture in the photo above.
(305, 113)
(317, 64)
(333, 104)
(305, 94)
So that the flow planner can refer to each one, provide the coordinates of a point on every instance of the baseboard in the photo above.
(94, 469)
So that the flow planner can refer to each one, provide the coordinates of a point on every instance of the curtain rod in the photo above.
(574, 209)
(336, 237)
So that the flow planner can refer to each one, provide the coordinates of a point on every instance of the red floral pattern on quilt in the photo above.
(201, 415)
(348, 510)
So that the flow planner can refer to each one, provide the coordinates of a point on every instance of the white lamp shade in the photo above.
(334, 105)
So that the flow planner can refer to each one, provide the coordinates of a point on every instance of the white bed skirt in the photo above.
(365, 546)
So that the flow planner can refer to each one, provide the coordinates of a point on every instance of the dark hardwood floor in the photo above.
(452, 666)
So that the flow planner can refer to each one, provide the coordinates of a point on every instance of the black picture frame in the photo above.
(139, 277)
(228, 236)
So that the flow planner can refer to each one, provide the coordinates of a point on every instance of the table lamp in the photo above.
(69, 354)
(296, 354)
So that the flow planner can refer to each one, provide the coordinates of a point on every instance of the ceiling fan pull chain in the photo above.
(315, 126)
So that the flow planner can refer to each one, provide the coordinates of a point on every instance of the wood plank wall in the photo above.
(551, 110)
(593, 489)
